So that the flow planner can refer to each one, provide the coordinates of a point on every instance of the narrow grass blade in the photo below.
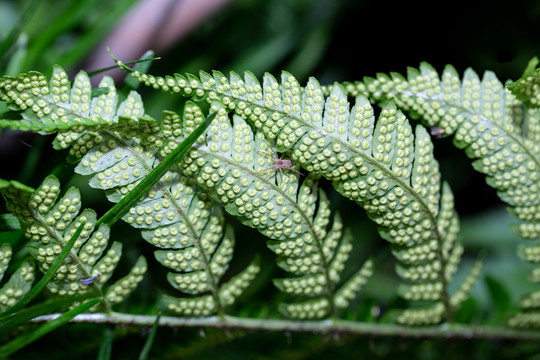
(12, 37)
(46, 328)
(47, 307)
(123, 206)
(142, 65)
(105, 349)
(150, 340)
(9, 222)
(142, 60)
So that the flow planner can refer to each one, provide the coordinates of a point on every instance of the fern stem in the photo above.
(338, 327)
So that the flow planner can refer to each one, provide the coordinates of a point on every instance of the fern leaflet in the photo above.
(493, 127)
(49, 223)
(487, 121)
(20, 281)
(171, 216)
(231, 163)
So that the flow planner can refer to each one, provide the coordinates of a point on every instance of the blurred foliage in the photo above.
(333, 40)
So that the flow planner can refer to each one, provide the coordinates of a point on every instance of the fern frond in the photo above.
(52, 106)
(5, 257)
(526, 90)
(120, 289)
(49, 222)
(171, 216)
(116, 144)
(489, 121)
(20, 281)
(232, 163)
(384, 168)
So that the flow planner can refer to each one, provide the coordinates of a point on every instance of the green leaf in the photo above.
(105, 348)
(5, 257)
(486, 120)
(120, 290)
(15, 33)
(14, 319)
(526, 87)
(50, 223)
(239, 170)
(19, 284)
(497, 127)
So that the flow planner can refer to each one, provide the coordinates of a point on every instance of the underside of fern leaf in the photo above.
(49, 222)
(492, 125)
(115, 143)
(20, 281)
(171, 216)
(235, 166)
(487, 121)
(384, 167)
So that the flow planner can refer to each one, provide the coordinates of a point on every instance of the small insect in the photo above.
(438, 133)
(90, 279)
(278, 164)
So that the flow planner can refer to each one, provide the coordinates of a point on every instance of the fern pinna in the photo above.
(19, 283)
(498, 127)
(383, 167)
(49, 222)
(232, 164)
(118, 146)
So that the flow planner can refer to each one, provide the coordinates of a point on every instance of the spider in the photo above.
(278, 164)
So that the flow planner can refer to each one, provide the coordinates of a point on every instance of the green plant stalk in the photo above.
(123, 206)
(28, 338)
(443, 331)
